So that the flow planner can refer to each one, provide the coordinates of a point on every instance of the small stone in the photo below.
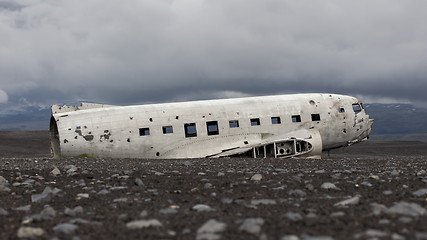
(103, 192)
(3, 181)
(404, 219)
(252, 225)
(329, 186)
(396, 236)
(384, 221)
(69, 212)
(82, 195)
(65, 228)
(168, 211)
(420, 192)
(3, 212)
(70, 169)
(202, 208)
(49, 212)
(120, 200)
(30, 232)
(297, 193)
(138, 182)
(45, 196)
(256, 177)
(290, 237)
(293, 216)
(407, 209)
(25, 208)
(139, 224)
(387, 192)
(366, 183)
(210, 229)
(352, 201)
(309, 187)
(3, 188)
(337, 214)
(374, 177)
(78, 210)
(55, 172)
(143, 214)
(128, 172)
(263, 201)
(377, 209)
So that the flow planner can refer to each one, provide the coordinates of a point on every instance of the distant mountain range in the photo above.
(398, 122)
(392, 121)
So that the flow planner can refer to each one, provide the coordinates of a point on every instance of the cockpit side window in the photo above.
(357, 108)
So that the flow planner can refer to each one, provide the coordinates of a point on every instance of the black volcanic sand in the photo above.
(386, 183)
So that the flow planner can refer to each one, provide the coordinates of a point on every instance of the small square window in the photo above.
(255, 122)
(356, 108)
(167, 129)
(234, 123)
(144, 131)
(315, 117)
(341, 110)
(296, 118)
(275, 120)
(212, 128)
(190, 130)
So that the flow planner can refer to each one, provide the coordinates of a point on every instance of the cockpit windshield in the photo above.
(357, 108)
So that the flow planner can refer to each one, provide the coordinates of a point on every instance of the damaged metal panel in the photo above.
(299, 125)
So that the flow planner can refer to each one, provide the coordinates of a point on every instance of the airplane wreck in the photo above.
(282, 126)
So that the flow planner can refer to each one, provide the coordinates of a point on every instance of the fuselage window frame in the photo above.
(356, 108)
(233, 123)
(296, 118)
(255, 122)
(190, 130)
(315, 117)
(212, 128)
(167, 129)
(275, 120)
(144, 131)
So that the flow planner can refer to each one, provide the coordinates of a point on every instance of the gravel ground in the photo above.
(373, 190)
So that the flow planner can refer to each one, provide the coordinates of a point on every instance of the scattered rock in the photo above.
(256, 177)
(3, 212)
(252, 225)
(202, 208)
(297, 193)
(138, 182)
(65, 228)
(210, 230)
(139, 224)
(352, 201)
(293, 216)
(263, 201)
(55, 172)
(420, 192)
(30, 232)
(329, 186)
(407, 209)
(168, 211)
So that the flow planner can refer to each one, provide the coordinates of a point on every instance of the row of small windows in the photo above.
(213, 129)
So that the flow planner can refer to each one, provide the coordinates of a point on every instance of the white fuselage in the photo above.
(205, 128)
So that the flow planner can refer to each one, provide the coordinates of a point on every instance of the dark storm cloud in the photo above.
(157, 51)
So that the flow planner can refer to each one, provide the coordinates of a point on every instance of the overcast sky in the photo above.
(131, 52)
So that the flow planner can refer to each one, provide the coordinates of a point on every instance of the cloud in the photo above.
(3, 96)
(152, 51)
